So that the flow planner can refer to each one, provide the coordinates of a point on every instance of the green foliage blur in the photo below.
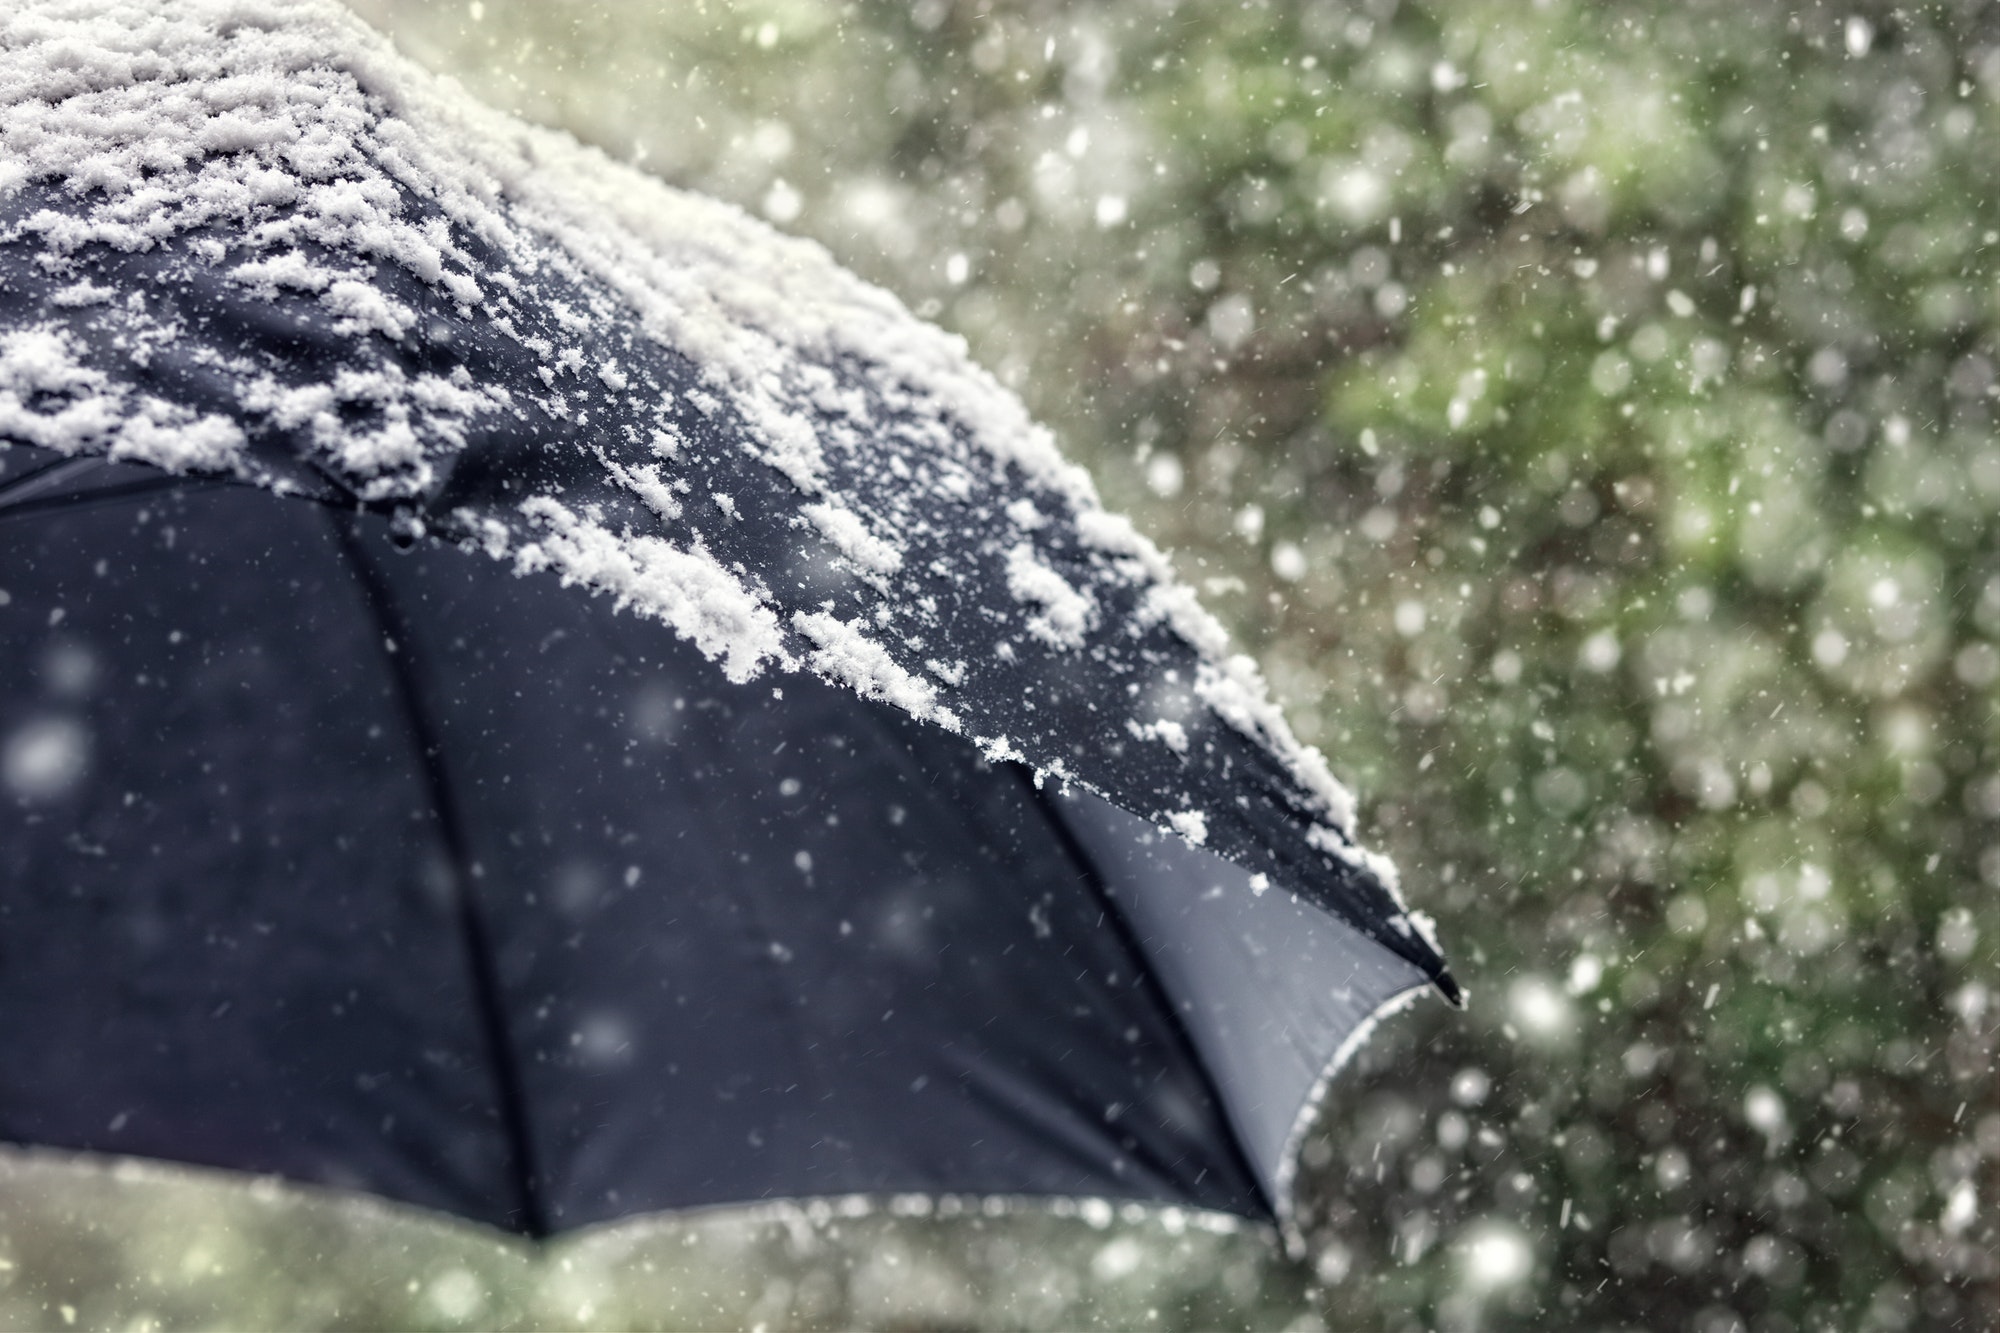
(1586, 412)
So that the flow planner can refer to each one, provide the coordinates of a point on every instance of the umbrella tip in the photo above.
(1448, 986)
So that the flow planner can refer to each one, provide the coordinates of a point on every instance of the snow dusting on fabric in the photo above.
(249, 240)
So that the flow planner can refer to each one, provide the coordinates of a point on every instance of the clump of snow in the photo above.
(1164, 730)
(688, 589)
(1063, 615)
(1001, 750)
(1023, 514)
(82, 294)
(644, 481)
(844, 528)
(847, 654)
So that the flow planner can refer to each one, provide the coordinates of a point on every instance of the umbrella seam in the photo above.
(1115, 916)
(1095, 1211)
(472, 923)
(754, 923)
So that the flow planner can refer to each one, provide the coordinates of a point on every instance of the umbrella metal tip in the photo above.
(1448, 986)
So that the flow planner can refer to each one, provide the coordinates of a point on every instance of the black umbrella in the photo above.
(347, 838)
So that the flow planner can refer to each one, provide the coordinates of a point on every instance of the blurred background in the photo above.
(1587, 414)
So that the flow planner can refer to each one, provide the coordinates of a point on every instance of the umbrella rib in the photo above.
(477, 939)
(63, 483)
(35, 500)
(38, 479)
(1114, 916)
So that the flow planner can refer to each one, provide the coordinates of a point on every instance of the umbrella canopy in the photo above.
(889, 819)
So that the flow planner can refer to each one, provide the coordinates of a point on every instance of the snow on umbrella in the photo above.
(532, 694)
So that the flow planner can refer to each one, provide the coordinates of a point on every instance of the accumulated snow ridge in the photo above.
(846, 653)
(687, 589)
(246, 238)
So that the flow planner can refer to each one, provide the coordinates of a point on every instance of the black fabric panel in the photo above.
(765, 941)
(226, 933)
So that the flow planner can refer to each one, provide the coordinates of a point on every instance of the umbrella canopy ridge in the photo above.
(507, 340)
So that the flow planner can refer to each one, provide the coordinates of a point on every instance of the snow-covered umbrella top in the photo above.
(265, 247)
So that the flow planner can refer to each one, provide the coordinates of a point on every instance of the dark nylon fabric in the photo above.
(531, 916)
(227, 938)
(945, 500)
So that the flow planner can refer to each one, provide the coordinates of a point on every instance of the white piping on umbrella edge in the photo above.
(1312, 1110)
(1096, 1212)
